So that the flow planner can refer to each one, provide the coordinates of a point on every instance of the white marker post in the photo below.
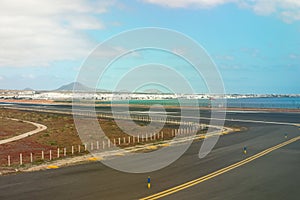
(8, 160)
(31, 157)
(21, 159)
(50, 154)
(108, 143)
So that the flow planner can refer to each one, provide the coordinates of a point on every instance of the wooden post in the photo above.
(65, 152)
(8, 160)
(21, 159)
(97, 144)
(43, 157)
(72, 150)
(79, 148)
(31, 157)
(50, 155)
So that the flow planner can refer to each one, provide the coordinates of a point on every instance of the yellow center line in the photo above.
(219, 172)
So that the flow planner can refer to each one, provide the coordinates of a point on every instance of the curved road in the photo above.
(273, 176)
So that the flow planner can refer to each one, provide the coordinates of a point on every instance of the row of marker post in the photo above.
(97, 145)
(138, 139)
(59, 153)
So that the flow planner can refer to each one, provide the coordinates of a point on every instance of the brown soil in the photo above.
(61, 133)
(37, 101)
(10, 128)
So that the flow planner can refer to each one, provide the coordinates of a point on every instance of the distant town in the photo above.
(66, 92)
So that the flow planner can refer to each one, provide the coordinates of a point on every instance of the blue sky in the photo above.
(254, 44)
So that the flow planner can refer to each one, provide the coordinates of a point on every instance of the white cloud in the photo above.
(188, 3)
(254, 52)
(287, 10)
(224, 57)
(38, 32)
(180, 51)
(294, 56)
(230, 67)
(28, 76)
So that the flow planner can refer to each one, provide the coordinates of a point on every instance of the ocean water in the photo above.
(282, 102)
(268, 102)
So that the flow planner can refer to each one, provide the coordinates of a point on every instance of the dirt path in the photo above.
(39, 128)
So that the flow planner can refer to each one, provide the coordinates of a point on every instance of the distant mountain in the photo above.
(149, 91)
(28, 89)
(79, 87)
(75, 85)
(152, 91)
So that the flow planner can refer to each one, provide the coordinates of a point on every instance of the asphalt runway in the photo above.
(273, 176)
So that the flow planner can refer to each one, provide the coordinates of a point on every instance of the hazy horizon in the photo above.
(146, 91)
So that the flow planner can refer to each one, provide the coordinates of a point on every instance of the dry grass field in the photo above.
(61, 132)
(10, 128)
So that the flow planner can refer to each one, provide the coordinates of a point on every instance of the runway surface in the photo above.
(273, 176)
